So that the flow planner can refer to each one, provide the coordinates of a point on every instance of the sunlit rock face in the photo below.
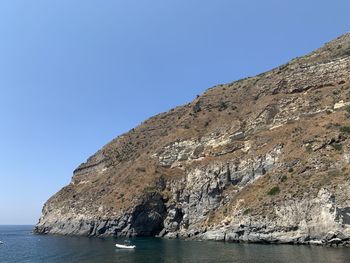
(263, 159)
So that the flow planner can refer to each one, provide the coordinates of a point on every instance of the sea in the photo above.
(21, 245)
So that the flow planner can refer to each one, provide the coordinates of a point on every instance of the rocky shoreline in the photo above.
(329, 224)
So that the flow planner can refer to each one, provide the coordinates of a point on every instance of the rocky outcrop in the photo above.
(264, 159)
(317, 221)
(146, 219)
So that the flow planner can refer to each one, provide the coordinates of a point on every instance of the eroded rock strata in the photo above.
(263, 159)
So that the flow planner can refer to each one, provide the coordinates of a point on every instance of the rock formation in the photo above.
(262, 159)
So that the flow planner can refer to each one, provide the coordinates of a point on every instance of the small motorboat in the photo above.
(1, 242)
(127, 245)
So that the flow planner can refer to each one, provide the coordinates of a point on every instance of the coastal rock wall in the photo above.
(262, 159)
(320, 220)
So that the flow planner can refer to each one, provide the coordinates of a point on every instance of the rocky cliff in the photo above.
(262, 159)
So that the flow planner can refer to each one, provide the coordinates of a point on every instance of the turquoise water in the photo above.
(22, 246)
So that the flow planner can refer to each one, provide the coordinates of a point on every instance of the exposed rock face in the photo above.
(263, 159)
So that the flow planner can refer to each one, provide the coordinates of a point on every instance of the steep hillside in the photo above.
(263, 159)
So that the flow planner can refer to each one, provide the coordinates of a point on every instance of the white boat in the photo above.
(125, 246)
(1, 242)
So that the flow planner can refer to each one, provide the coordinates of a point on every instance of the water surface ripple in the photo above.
(22, 246)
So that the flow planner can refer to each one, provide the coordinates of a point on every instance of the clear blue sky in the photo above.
(75, 74)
